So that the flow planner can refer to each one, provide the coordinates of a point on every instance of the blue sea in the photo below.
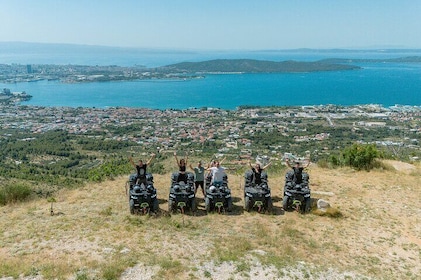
(376, 83)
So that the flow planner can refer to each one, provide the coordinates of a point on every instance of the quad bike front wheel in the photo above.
(247, 204)
(131, 204)
(207, 205)
(285, 202)
(170, 205)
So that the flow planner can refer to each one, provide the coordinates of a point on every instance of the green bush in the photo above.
(360, 156)
(13, 193)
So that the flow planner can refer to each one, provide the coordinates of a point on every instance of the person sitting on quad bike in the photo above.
(298, 170)
(141, 169)
(182, 163)
(296, 188)
(257, 172)
(217, 173)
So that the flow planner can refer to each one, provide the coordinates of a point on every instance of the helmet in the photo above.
(212, 189)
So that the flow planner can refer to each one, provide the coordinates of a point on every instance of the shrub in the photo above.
(13, 193)
(360, 156)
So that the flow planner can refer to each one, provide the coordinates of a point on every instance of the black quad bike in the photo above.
(257, 195)
(218, 196)
(296, 195)
(182, 195)
(142, 196)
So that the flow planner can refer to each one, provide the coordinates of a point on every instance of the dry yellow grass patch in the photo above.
(94, 236)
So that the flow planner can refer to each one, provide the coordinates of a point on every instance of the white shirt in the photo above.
(217, 173)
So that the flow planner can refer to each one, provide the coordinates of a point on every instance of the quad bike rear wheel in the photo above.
(155, 206)
(229, 204)
(193, 205)
(269, 206)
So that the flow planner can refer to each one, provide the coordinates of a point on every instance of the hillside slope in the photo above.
(92, 235)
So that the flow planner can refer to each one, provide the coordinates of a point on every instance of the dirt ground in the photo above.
(373, 231)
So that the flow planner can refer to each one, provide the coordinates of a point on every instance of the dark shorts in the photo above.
(141, 179)
(182, 177)
(199, 184)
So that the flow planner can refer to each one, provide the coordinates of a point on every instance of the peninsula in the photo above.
(257, 66)
(15, 73)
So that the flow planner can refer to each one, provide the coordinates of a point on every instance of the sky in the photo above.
(215, 24)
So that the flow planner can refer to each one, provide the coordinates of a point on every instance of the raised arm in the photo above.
(222, 160)
(251, 166)
(132, 162)
(187, 157)
(210, 164)
(176, 159)
(266, 166)
(287, 162)
(308, 163)
(150, 160)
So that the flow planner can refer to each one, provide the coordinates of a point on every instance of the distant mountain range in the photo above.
(256, 66)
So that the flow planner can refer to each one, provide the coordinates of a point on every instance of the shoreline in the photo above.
(373, 106)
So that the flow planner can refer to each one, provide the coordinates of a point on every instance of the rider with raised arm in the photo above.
(298, 170)
(257, 172)
(182, 165)
(141, 169)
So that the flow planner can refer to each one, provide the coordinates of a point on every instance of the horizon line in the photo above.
(372, 48)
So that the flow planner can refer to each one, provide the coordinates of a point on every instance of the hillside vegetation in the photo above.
(373, 231)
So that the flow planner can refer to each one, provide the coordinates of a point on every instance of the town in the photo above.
(238, 133)
(18, 73)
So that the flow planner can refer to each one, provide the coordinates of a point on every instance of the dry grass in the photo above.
(372, 231)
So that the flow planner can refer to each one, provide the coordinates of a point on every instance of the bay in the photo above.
(376, 83)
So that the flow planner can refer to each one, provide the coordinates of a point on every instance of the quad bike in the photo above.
(182, 195)
(296, 195)
(218, 196)
(142, 197)
(257, 195)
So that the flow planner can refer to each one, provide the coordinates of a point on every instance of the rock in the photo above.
(125, 251)
(322, 204)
